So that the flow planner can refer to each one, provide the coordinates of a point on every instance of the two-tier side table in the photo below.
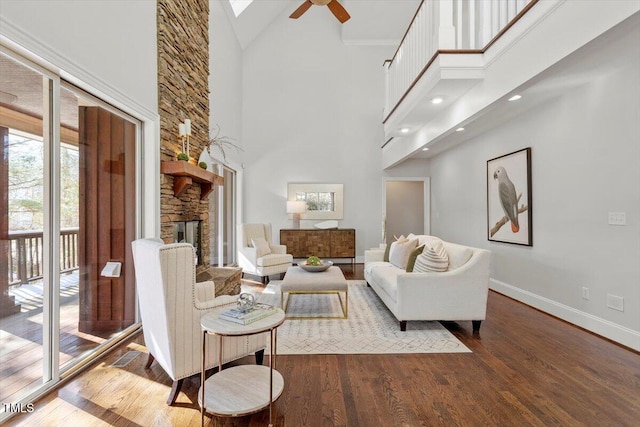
(244, 389)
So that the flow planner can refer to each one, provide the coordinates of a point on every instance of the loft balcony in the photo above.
(474, 55)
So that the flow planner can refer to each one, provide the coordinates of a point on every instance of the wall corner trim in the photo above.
(620, 334)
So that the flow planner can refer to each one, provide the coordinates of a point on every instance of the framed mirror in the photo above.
(323, 201)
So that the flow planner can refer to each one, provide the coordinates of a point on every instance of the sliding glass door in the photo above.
(23, 218)
(68, 171)
(223, 207)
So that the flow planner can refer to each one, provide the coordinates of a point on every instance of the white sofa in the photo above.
(457, 294)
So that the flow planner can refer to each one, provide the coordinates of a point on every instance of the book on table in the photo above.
(253, 314)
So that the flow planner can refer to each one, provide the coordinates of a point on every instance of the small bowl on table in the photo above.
(315, 268)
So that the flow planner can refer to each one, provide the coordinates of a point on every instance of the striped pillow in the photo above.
(432, 259)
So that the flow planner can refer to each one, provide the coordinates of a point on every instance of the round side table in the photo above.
(245, 389)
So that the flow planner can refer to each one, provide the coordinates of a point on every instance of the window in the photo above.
(239, 6)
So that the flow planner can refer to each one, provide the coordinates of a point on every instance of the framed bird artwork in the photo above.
(509, 198)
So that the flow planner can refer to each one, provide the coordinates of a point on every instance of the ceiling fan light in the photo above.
(321, 2)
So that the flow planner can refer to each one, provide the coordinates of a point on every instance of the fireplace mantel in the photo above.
(185, 174)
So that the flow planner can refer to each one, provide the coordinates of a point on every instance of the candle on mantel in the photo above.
(182, 130)
(187, 125)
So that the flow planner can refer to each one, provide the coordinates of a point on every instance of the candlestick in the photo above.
(182, 129)
(187, 125)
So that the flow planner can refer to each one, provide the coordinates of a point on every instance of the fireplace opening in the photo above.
(189, 232)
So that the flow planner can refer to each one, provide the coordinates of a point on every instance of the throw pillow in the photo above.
(262, 247)
(388, 248)
(432, 259)
(400, 251)
(412, 258)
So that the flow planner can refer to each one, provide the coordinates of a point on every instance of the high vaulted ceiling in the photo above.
(373, 22)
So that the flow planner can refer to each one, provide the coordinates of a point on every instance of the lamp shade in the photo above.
(296, 206)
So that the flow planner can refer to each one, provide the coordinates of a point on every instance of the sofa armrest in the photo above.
(205, 299)
(460, 294)
(371, 255)
(249, 254)
(204, 291)
(278, 249)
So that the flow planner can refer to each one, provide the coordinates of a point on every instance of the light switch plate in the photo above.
(617, 218)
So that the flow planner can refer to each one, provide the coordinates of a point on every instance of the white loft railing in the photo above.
(446, 26)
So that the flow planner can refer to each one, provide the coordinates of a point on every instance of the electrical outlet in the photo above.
(617, 218)
(585, 292)
(615, 302)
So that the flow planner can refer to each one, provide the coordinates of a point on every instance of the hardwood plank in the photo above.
(550, 374)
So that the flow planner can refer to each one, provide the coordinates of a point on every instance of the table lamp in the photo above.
(296, 207)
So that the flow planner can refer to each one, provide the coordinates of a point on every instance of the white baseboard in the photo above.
(597, 325)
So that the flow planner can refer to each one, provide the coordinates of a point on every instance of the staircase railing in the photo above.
(446, 26)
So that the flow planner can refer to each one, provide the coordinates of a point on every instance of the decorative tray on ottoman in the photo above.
(315, 268)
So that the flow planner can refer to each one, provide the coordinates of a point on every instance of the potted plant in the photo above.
(183, 157)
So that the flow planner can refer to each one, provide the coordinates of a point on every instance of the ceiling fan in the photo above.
(336, 8)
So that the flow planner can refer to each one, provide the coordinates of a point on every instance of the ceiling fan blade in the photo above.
(302, 9)
(339, 11)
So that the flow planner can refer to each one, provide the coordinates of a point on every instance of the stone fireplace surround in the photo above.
(183, 92)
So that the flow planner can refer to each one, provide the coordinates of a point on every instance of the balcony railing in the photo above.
(26, 251)
(446, 26)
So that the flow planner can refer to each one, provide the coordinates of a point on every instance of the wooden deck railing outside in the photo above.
(25, 254)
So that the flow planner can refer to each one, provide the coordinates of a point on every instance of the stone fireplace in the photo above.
(189, 232)
(183, 93)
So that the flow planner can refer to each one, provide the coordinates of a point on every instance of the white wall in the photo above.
(312, 113)
(111, 40)
(585, 153)
(225, 78)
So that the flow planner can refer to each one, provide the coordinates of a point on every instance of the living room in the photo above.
(304, 100)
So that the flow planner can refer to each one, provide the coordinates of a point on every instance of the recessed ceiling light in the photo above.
(436, 100)
(459, 129)
(425, 149)
(404, 130)
(515, 98)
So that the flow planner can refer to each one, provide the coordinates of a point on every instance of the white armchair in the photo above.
(273, 259)
(171, 305)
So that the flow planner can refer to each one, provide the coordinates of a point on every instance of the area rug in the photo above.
(370, 328)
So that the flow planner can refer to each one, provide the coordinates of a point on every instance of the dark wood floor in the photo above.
(527, 368)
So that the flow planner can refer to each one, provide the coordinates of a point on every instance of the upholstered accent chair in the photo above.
(257, 255)
(171, 305)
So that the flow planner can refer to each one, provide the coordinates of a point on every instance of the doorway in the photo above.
(406, 207)
(224, 210)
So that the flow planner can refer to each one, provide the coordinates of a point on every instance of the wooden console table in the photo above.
(332, 243)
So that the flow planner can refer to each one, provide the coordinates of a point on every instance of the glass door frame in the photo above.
(236, 209)
(53, 374)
